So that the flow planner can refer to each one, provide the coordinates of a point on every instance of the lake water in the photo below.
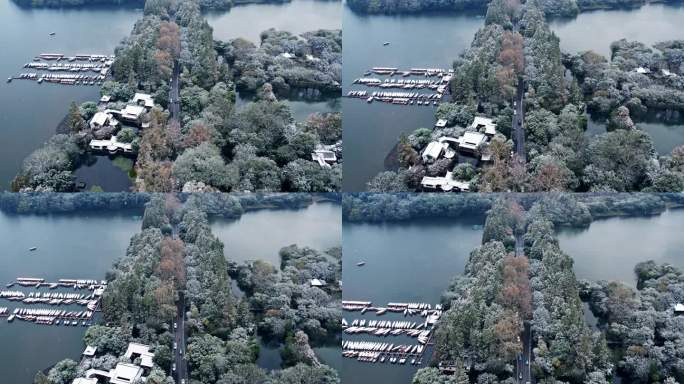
(435, 40)
(259, 235)
(82, 245)
(371, 130)
(665, 136)
(610, 249)
(297, 16)
(30, 112)
(405, 262)
(596, 30)
(649, 24)
(111, 173)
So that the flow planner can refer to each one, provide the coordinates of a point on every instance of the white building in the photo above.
(679, 308)
(144, 100)
(103, 119)
(90, 351)
(83, 380)
(324, 157)
(484, 125)
(441, 123)
(132, 113)
(470, 141)
(111, 145)
(125, 374)
(317, 283)
(140, 350)
(446, 183)
(667, 73)
(433, 151)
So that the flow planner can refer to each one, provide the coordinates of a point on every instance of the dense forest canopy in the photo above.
(516, 45)
(562, 8)
(211, 145)
(223, 330)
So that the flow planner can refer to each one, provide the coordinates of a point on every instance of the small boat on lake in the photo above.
(360, 263)
(386, 43)
(33, 249)
(52, 33)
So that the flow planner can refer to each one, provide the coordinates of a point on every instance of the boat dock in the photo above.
(437, 81)
(52, 65)
(393, 353)
(91, 300)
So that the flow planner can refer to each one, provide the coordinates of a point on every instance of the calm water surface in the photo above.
(30, 112)
(105, 173)
(371, 130)
(298, 16)
(610, 249)
(649, 24)
(412, 261)
(259, 235)
(596, 30)
(82, 245)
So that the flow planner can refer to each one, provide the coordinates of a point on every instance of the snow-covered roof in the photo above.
(433, 150)
(486, 122)
(83, 380)
(90, 351)
(101, 119)
(125, 374)
(133, 110)
(145, 98)
(471, 140)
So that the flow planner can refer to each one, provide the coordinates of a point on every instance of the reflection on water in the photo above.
(269, 355)
(371, 130)
(598, 29)
(665, 136)
(260, 235)
(82, 245)
(405, 262)
(297, 16)
(110, 173)
(300, 109)
(30, 112)
(610, 249)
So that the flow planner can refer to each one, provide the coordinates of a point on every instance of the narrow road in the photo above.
(519, 246)
(180, 375)
(174, 92)
(523, 372)
(518, 120)
(526, 362)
